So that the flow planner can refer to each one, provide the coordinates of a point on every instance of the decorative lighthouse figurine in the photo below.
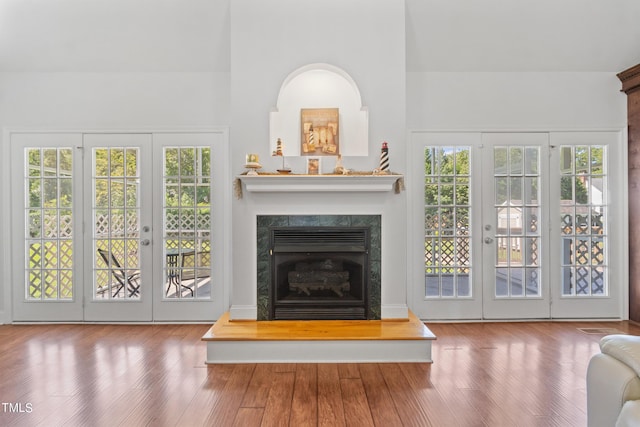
(384, 158)
(279, 152)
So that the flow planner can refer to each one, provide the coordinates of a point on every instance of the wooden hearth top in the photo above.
(315, 330)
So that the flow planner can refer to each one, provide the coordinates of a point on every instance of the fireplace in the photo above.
(318, 267)
(319, 272)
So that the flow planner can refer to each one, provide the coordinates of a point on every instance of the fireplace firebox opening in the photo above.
(343, 258)
(319, 273)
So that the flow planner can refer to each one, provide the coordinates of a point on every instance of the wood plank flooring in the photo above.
(492, 374)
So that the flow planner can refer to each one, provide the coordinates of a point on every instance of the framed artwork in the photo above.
(313, 165)
(320, 132)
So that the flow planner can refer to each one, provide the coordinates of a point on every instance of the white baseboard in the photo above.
(394, 311)
(243, 312)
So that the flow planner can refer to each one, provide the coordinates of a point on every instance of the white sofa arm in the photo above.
(610, 383)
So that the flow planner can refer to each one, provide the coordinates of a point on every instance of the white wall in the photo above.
(515, 101)
(114, 100)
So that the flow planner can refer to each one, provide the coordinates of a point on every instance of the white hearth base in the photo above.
(318, 341)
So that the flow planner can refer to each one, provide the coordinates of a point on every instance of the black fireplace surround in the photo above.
(318, 267)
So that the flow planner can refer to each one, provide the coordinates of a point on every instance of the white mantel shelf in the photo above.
(319, 183)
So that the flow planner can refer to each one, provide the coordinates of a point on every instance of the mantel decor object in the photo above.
(252, 162)
(384, 157)
(279, 152)
(313, 166)
(319, 132)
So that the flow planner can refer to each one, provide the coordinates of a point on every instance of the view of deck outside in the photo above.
(448, 221)
(116, 229)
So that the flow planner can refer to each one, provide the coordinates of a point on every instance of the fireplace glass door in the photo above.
(319, 273)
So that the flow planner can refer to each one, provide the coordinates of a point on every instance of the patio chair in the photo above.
(125, 278)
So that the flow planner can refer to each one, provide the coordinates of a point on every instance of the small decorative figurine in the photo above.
(339, 169)
(252, 162)
(279, 152)
(384, 158)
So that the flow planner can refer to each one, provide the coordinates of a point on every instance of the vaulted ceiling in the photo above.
(441, 35)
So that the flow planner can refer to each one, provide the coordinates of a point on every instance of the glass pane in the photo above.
(501, 191)
(116, 195)
(204, 161)
(532, 284)
(50, 162)
(531, 188)
(34, 187)
(516, 282)
(516, 161)
(582, 160)
(500, 161)
(116, 162)
(50, 192)
(101, 162)
(532, 161)
(432, 284)
(502, 280)
(187, 162)
(597, 160)
(66, 193)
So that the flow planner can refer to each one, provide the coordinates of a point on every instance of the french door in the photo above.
(516, 225)
(118, 207)
(117, 227)
(515, 234)
(47, 257)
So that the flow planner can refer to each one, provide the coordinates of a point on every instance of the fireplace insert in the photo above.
(319, 272)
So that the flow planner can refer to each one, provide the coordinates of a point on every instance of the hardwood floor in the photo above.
(493, 374)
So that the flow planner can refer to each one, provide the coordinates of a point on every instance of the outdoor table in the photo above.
(175, 263)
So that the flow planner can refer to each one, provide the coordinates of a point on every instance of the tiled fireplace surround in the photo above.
(264, 224)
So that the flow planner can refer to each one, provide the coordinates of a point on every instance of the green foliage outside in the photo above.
(447, 190)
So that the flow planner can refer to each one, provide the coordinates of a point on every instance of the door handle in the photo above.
(488, 240)
(145, 242)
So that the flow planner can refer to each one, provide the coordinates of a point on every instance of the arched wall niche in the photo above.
(320, 85)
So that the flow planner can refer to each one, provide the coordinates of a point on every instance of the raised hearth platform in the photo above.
(317, 341)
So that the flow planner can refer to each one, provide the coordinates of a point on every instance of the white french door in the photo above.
(118, 222)
(187, 211)
(118, 227)
(517, 225)
(445, 203)
(515, 234)
(590, 256)
(46, 253)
